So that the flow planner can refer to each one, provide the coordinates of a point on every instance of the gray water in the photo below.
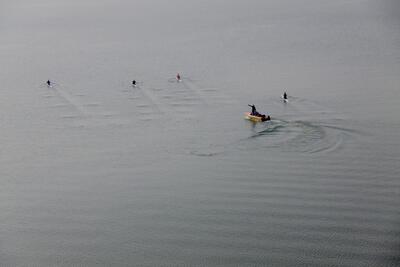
(97, 173)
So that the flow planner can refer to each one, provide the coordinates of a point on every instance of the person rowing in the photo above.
(48, 83)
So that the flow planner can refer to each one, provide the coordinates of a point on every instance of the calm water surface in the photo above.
(97, 173)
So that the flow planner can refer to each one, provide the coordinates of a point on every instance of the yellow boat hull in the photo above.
(250, 117)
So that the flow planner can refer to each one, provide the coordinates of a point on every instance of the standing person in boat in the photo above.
(178, 77)
(284, 95)
(48, 83)
(253, 110)
(134, 82)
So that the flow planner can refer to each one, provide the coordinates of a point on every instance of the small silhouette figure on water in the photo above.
(253, 110)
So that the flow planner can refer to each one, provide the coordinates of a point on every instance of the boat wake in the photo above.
(299, 136)
(79, 110)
